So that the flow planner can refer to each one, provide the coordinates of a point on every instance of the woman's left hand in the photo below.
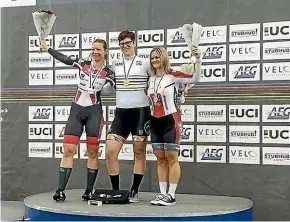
(196, 52)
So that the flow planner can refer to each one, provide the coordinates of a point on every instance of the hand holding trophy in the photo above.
(43, 21)
(191, 34)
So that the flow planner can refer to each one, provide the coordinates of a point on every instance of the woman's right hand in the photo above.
(43, 45)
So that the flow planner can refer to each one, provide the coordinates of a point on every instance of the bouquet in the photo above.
(43, 21)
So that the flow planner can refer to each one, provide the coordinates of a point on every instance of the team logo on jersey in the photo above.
(138, 63)
(147, 127)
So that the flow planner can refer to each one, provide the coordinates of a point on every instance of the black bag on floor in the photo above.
(112, 196)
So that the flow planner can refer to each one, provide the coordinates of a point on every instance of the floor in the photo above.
(12, 210)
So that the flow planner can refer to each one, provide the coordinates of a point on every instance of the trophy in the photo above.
(43, 21)
(191, 34)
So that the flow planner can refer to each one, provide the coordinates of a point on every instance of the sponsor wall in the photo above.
(237, 147)
(227, 133)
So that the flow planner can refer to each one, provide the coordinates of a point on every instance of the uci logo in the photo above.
(275, 134)
(179, 54)
(186, 153)
(284, 30)
(157, 37)
(240, 113)
(217, 72)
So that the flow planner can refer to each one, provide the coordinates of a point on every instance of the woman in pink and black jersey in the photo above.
(86, 112)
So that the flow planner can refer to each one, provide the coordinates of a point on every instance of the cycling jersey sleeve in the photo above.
(65, 59)
(183, 78)
(110, 85)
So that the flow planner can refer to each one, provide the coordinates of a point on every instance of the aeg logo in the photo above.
(246, 71)
(212, 154)
(67, 41)
(279, 113)
(213, 52)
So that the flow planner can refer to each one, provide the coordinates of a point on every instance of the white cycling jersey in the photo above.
(163, 90)
(131, 75)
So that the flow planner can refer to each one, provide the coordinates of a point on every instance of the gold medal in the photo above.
(126, 83)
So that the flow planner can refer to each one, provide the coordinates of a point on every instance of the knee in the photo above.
(69, 150)
(93, 152)
(112, 151)
(140, 152)
(171, 157)
(160, 155)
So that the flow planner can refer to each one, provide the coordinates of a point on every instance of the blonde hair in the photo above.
(164, 60)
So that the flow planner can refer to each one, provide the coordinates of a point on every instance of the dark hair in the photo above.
(126, 34)
(104, 45)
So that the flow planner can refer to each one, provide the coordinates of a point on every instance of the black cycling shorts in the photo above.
(165, 132)
(131, 120)
(90, 117)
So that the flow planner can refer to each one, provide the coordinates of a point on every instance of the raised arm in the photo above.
(61, 57)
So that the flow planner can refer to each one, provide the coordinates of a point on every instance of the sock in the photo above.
(91, 178)
(163, 187)
(172, 189)
(64, 174)
(115, 181)
(136, 182)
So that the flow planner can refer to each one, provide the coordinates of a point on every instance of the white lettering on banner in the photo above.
(276, 134)
(111, 113)
(174, 37)
(40, 149)
(276, 50)
(178, 54)
(144, 53)
(59, 130)
(40, 60)
(276, 71)
(58, 151)
(187, 113)
(244, 113)
(244, 72)
(244, 32)
(244, 155)
(276, 155)
(276, 113)
(186, 153)
(40, 77)
(211, 154)
(34, 42)
(66, 76)
(187, 133)
(213, 73)
(40, 131)
(84, 153)
(211, 133)
(74, 55)
(114, 54)
(244, 52)
(276, 30)
(150, 37)
(244, 134)
(213, 53)
(126, 152)
(62, 113)
(40, 113)
(211, 113)
(89, 38)
(66, 41)
(214, 34)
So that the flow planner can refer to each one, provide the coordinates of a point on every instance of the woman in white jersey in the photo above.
(132, 112)
(86, 111)
(165, 122)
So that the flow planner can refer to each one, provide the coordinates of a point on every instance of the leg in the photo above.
(142, 116)
(116, 137)
(171, 147)
(94, 127)
(73, 131)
